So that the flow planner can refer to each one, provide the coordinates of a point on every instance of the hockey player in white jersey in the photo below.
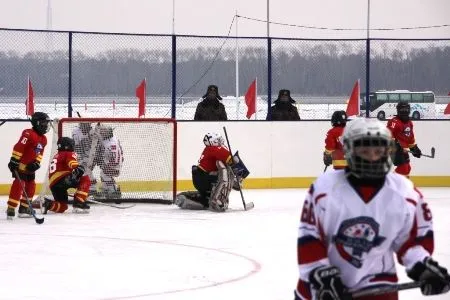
(83, 137)
(111, 161)
(354, 221)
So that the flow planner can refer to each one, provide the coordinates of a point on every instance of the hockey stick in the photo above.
(386, 289)
(107, 204)
(249, 205)
(433, 152)
(326, 167)
(30, 205)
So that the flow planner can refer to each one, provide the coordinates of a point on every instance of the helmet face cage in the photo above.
(372, 134)
(403, 110)
(339, 118)
(40, 122)
(213, 139)
(66, 144)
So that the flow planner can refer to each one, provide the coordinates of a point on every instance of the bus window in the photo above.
(417, 98)
(382, 97)
(428, 97)
(394, 97)
(405, 97)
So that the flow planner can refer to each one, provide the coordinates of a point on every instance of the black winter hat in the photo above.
(285, 93)
(212, 87)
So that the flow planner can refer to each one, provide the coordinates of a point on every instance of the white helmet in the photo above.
(365, 132)
(213, 139)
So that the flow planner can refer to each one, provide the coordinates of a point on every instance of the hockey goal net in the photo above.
(127, 159)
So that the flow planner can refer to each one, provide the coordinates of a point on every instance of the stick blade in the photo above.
(249, 206)
(433, 151)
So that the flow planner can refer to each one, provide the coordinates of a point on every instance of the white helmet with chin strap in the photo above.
(213, 139)
(365, 132)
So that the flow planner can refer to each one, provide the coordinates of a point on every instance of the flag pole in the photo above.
(28, 96)
(237, 68)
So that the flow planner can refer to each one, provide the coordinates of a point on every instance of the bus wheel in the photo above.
(416, 115)
(381, 115)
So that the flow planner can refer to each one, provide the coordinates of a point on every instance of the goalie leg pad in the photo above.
(218, 200)
(189, 200)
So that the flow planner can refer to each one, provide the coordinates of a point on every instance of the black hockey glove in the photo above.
(77, 173)
(327, 160)
(13, 164)
(327, 283)
(435, 278)
(33, 167)
(415, 151)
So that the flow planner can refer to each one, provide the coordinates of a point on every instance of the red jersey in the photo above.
(29, 148)
(61, 165)
(333, 145)
(402, 132)
(210, 155)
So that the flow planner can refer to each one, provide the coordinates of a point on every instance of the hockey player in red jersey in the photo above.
(355, 220)
(26, 160)
(334, 153)
(213, 177)
(65, 172)
(403, 133)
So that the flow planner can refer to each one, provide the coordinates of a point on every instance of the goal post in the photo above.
(130, 159)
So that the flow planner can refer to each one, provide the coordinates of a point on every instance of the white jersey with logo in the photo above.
(83, 142)
(360, 238)
(112, 155)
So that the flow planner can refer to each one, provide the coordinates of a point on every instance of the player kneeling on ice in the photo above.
(354, 220)
(64, 173)
(215, 175)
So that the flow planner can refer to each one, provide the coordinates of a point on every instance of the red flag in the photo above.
(353, 102)
(140, 94)
(30, 99)
(447, 110)
(250, 99)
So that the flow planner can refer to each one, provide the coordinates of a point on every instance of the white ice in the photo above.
(156, 251)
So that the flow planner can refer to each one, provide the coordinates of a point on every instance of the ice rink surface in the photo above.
(156, 251)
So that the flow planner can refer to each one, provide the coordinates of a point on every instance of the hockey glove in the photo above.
(13, 164)
(77, 173)
(415, 151)
(327, 283)
(327, 160)
(434, 277)
(33, 167)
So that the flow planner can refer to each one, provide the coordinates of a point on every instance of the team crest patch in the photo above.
(356, 237)
(38, 148)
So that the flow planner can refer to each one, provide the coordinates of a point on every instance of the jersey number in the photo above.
(308, 213)
(426, 212)
(52, 167)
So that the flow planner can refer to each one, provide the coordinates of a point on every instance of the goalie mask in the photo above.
(213, 139)
(40, 122)
(65, 144)
(367, 147)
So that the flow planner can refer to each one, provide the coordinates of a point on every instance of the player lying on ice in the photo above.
(65, 172)
(354, 220)
(215, 175)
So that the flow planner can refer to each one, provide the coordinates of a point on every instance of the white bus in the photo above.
(383, 104)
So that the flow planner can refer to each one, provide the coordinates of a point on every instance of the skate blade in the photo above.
(80, 211)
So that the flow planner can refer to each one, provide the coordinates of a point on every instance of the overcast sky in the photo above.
(213, 17)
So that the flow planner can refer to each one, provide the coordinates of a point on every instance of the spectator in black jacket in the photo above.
(210, 109)
(283, 110)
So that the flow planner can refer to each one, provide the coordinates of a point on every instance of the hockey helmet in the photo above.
(213, 139)
(339, 118)
(367, 147)
(65, 144)
(403, 110)
(40, 122)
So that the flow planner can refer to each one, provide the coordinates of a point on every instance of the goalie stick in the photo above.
(249, 205)
(30, 205)
(386, 289)
(89, 199)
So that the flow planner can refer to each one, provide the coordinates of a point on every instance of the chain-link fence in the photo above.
(96, 74)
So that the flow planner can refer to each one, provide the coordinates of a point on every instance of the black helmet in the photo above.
(40, 122)
(339, 118)
(403, 110)
(65, 144)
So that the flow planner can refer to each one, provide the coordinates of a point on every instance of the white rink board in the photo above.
(269, 149)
